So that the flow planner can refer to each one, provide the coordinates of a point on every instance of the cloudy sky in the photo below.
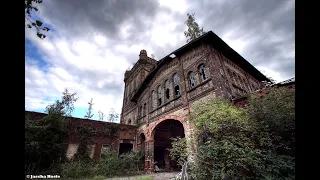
(92, 43)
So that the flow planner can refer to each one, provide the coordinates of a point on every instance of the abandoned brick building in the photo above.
(158, 95)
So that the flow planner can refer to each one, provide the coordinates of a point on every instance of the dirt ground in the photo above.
(156, 176)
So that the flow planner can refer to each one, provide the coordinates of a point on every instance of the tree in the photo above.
(112, 115)
(101, 115)
(194, 30)
(30, 22)
(89, 114)
(45, 138)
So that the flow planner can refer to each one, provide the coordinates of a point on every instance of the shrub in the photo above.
(224, 144)
(78, 168)
(257, 143)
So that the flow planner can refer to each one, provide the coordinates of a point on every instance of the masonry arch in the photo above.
(161, 134)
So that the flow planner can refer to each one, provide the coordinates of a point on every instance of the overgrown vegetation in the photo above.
(45, 138)
(178, 151)
(236, 143)
(109, 165)
(46, 141)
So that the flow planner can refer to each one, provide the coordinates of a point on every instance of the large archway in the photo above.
(163, 133)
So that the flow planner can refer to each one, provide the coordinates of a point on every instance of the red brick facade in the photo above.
(243, 100)
(126, 133)
(159, 95)
(206, 68)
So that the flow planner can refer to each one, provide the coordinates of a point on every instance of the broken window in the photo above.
(202, 73)
(144, 109)
(167, 91)
(159, 96)
(176, 84)
(140, 112)
(191, 80)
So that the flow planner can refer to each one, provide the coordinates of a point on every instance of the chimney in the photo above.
(143, 54)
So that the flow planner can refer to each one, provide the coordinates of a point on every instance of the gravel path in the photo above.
(156, 176)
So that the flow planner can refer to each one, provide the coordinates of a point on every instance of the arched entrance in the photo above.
(163, 133)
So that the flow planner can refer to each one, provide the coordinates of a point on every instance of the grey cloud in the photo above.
(105, 16)
(258, 22)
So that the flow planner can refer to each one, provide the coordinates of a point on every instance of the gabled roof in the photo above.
(219, 45)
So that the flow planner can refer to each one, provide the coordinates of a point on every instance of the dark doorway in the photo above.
(163, 132)
(141, 142)
(125, 148)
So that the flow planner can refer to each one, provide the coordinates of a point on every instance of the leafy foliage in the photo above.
(45, 138)
(109, 165)
(29, 7)
(273, 118)
(224, 145)
(101, 115)
(178, 151)
(86, 134)
(257, 143)
(194, 30)
(89, 114)
(112, 116)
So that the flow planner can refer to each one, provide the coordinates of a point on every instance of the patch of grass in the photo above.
(99, 177)
(145, 178)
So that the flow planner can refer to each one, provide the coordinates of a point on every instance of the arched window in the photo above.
(229, 74)
(167, 90)
(152, 99)
(192, 82)
(145, 109)
(176, 85)
(140, 112)
(159, 96)
(129, 121)
(202, 73)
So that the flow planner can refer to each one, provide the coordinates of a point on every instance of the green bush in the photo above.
(109, 165)
(257, 143)
(78, 168)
